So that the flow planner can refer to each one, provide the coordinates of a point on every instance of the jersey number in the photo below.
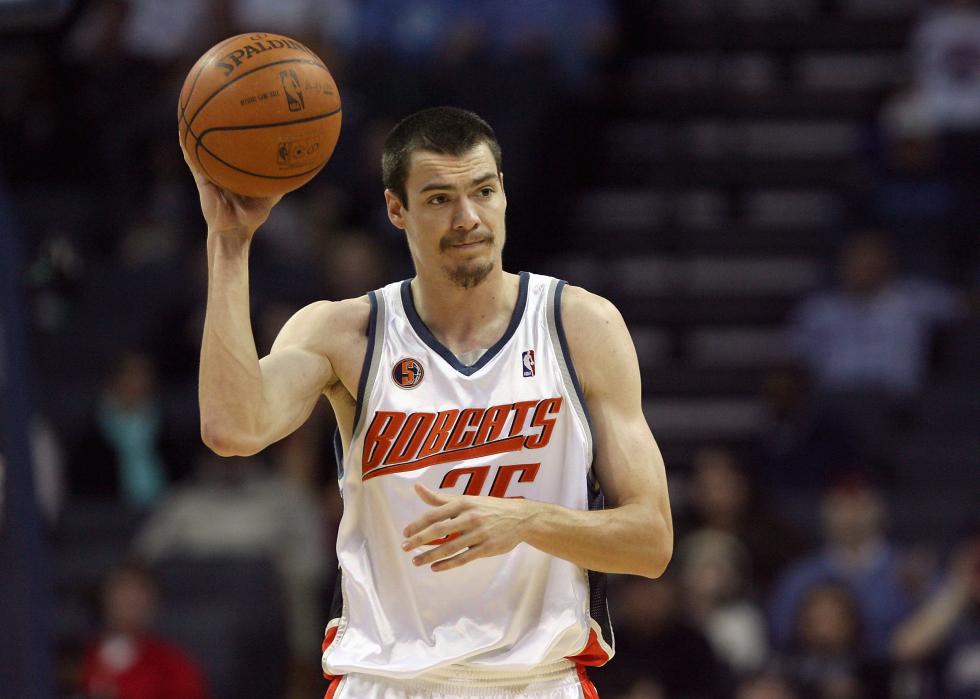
(477, 478)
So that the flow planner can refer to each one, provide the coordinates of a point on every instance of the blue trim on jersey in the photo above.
(428, 338)
(560, 327)
(338, 453)
(368, 356)
(598, 606)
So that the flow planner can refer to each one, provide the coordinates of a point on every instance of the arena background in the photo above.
(779, 195)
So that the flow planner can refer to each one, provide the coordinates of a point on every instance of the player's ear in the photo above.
(396, 210)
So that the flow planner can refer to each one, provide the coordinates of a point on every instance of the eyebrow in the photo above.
(442, 185)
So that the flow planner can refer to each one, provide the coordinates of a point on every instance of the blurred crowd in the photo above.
(761, 601)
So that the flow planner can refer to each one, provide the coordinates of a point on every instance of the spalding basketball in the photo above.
(260, 114)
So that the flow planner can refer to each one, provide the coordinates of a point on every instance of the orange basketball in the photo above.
(260, 114)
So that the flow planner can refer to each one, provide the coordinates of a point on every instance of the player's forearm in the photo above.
(632, 538)
(230, 380)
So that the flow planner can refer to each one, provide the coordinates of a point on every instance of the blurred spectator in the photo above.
(127, 449)
(55, 276)
(95, 35)
(722, 498)
(237, 506)
(873, 331)
(578, 36)
(47, 463)
(857, 554)
(323, 26)
(946, 57)
(644, 689)
(714, 579)
(352, 262)
(943, 635)
(174, 31)
(128, 661)
(658, 652)
(766, 686)
(49, 470)
(824, 658)
(175, 340)
(29, 114)
(424, 27)
(802, 444)
(914, 196)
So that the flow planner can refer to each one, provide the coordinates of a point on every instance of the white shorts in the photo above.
(560, 681)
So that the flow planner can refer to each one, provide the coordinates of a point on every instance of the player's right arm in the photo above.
(247, 403)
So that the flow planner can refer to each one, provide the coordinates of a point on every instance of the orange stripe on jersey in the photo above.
(327, 640)
(499, 447)
(593, 653)
(588, 689)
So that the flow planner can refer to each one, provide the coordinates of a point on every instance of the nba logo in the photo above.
(527, 359)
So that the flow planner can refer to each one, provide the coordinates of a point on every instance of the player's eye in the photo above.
(438, 199)
(486, 192)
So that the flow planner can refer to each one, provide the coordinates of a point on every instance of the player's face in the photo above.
(455, 215)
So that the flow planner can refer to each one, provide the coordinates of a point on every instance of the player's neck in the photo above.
(466, 319)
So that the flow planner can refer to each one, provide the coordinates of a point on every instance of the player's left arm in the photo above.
(635, 535)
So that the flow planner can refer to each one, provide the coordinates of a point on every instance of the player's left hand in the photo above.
(478, 526)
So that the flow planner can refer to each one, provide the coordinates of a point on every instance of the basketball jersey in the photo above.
(514, 424)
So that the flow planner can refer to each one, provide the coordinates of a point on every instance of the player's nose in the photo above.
(465, 217)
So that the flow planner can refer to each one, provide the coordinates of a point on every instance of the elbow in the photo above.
(224, 443)
(657, 564)
(661, 548)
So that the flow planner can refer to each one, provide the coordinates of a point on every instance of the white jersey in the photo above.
(514, 424)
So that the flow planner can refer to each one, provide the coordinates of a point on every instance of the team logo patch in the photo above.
(407, 373)
(527, 360)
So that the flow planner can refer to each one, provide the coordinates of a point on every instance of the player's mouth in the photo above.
(467, 244)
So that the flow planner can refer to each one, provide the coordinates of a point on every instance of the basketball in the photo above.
(259, 114)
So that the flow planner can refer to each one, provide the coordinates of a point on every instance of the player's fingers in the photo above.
(470, 554)
(429, 497)
(433, 532)
(450, 548)
(436, 514)
(199, 179)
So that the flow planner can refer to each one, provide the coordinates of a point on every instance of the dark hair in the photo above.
(444, 130)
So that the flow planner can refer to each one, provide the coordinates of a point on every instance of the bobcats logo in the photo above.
(292, 90)
(396, 441)
(407, 373)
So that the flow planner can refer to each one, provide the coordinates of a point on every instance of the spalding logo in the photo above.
(407, 373)
(234, 59)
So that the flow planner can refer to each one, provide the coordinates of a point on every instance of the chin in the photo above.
(469, 275)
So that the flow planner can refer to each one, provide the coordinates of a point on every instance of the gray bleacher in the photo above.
(719, 200)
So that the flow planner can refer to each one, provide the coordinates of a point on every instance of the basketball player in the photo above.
(479, 413)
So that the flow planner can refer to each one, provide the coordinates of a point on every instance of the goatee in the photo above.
(468, 276)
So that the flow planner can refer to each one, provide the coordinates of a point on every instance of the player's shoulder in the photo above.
(323, 324)
(596, 335)
(583, 310)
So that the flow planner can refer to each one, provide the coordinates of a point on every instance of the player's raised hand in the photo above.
(476, 527)
(227, 212)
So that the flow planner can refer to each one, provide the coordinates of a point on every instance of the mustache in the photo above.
(449, 241)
